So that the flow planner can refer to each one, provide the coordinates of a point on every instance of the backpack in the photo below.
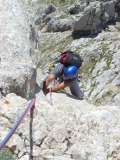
(69, 58)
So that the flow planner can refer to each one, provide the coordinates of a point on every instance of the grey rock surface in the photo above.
(17, 69)
(42, 18)
(100, 70)
(63, 128)
(68, 129)
(101, 65)
(88, 17)
(117, 9)
(95, 17)
(59, 25)
(74, 9)
(51, 8)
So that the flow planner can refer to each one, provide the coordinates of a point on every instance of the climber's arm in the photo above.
(59, 87)
(46, 83)
(49, 79)
(55, 88)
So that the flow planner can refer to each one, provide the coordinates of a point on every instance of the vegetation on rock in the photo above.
(6, 154)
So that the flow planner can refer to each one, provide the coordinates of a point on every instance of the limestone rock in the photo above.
(74, 9)
(100, 70)
(117, 9)
(42, 18)
(51, 8)
(17, 69)
(95, 17)
(70, 130)
(59, 25)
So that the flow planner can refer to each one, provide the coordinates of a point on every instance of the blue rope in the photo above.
(30, 106)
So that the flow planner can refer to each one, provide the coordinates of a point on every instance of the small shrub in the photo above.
(5, 154)
(61, 1)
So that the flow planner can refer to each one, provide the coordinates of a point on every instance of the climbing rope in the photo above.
(30, 107)
(51, 101)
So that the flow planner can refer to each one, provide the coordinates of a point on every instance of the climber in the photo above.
(67, 72)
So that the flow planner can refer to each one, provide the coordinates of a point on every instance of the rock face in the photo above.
(101, 65)
(117, 9)
(70, 130)
(95, 17)
(16, 66)
(43, 16)
(48, 20)
(62, 128)
(100, 70)
(88, 17)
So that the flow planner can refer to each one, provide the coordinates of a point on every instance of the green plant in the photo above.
(6, 154)
(105, 53)
(60, 2)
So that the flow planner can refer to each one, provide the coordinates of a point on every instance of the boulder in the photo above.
(44, 15)
(74, 9)
(17, 78)
(77, 8)
(51, 8)
(59, 25)
(117, 9)
(95, 17)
